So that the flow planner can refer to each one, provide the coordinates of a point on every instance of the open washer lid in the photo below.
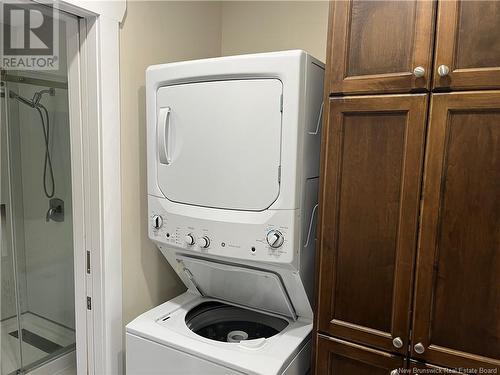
(246, 286)
(219, 143)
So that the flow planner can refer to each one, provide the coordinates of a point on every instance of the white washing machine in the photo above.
(233, 165)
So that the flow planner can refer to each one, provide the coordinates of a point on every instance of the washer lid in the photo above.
(251, 287)
(219, 143)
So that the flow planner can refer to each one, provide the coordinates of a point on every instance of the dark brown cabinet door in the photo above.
(457, 297)
(371, 171)
(375, 46)
(468, 44)
(337, 357)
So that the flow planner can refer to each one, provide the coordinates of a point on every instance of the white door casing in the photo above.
(94, 91)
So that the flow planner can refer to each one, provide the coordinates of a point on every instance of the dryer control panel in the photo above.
(258, 236)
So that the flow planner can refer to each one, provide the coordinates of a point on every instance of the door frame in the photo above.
(95, 116)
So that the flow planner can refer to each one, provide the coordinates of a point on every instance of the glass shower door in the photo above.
(37, 254)
(9, 303)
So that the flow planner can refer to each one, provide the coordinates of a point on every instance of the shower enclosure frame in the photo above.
(50, 364)
(94, 113)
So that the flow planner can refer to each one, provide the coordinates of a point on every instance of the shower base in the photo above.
(42, 341)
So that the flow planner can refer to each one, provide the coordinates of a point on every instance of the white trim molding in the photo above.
(107, 282)
(114, 10)
(101, 349)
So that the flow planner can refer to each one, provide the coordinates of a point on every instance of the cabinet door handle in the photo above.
(443, 70)
(419, 348)
(398, 342)
(419, 71)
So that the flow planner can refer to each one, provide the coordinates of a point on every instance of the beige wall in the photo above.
(152, 33)
(263, 26)
(161, 32)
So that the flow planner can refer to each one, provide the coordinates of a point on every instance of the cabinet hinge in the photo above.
(88, 261)
(89, 303)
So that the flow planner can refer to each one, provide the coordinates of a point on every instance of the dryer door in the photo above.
(218, 143)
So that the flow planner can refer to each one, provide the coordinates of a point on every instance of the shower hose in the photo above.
(45, 121)
(49, 193)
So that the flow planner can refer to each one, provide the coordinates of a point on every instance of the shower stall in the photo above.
(37, 251)
(60, 191)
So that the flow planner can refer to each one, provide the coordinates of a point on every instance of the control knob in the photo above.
(189, 239)
(275, 238)
(157, 221)
(204, 242)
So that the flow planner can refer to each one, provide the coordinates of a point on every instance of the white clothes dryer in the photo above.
(233, 166)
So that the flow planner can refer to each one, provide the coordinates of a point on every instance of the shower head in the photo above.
(21, 99)
(38, 95)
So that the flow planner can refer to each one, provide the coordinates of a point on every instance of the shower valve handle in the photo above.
(55, 211)
(51, 211)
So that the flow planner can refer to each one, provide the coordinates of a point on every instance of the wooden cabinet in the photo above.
(337, 357)
(437, 304)
(468, 44)
(374, 46)
(457, 297)
(371, 172)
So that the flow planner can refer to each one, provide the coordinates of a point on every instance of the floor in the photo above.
(63, 365)
(67, 371)
(49, 339)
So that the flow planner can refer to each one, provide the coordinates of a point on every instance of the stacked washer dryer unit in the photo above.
(233, 164)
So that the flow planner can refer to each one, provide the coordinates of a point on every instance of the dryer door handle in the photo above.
(164, 135)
